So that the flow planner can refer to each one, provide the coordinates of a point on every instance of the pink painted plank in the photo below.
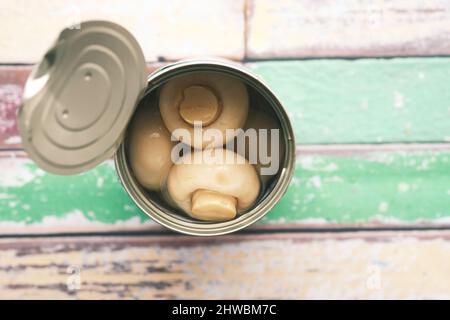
(12, 80)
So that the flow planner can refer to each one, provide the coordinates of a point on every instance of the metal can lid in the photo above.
(79, 99)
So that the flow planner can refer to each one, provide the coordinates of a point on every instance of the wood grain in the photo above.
(356, 28)
(170, 29)
(285, 266)
(368, 189)
(255, 28)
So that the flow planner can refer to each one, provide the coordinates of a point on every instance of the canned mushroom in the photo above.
(204, 148)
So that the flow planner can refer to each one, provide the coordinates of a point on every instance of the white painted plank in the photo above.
(171, 29)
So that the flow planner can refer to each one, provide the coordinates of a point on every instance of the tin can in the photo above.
(80, 99)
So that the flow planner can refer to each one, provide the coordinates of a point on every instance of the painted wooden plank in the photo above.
(329, 101)
(12, 81)
(356, 28)
(363, 101)
(170, 29)
(370, 189)
(388, 187)
(373, 265)
(32, 200)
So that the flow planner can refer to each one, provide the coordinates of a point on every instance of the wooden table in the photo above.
(366, 215)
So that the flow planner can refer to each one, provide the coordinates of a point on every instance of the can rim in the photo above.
(267, 203)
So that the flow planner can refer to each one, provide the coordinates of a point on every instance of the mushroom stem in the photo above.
(213, 206)
(200, 104)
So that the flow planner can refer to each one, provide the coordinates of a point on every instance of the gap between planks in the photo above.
(172, 239)
(153, 65)
(263, 231)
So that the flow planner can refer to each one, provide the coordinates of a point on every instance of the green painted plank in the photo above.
(29, 194)
(363, 101)
(385, 187)
(399, 187)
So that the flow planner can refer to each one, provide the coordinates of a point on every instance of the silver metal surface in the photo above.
(80, 98)
(169, 217)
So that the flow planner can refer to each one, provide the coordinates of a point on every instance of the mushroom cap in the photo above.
(149, 146)
(232, 97)
(218, 170)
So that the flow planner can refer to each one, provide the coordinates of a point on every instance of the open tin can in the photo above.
(80, 99)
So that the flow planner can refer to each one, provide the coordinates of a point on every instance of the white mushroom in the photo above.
(150, 146)
(213, 184)
(214, 100)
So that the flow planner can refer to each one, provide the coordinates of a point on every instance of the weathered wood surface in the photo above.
(356, 28)
(363, 101)
(12, 81)
(255, 29)
(344, 180)
(170, 29)
(349, 189)
(329, 101)
(375, 265)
